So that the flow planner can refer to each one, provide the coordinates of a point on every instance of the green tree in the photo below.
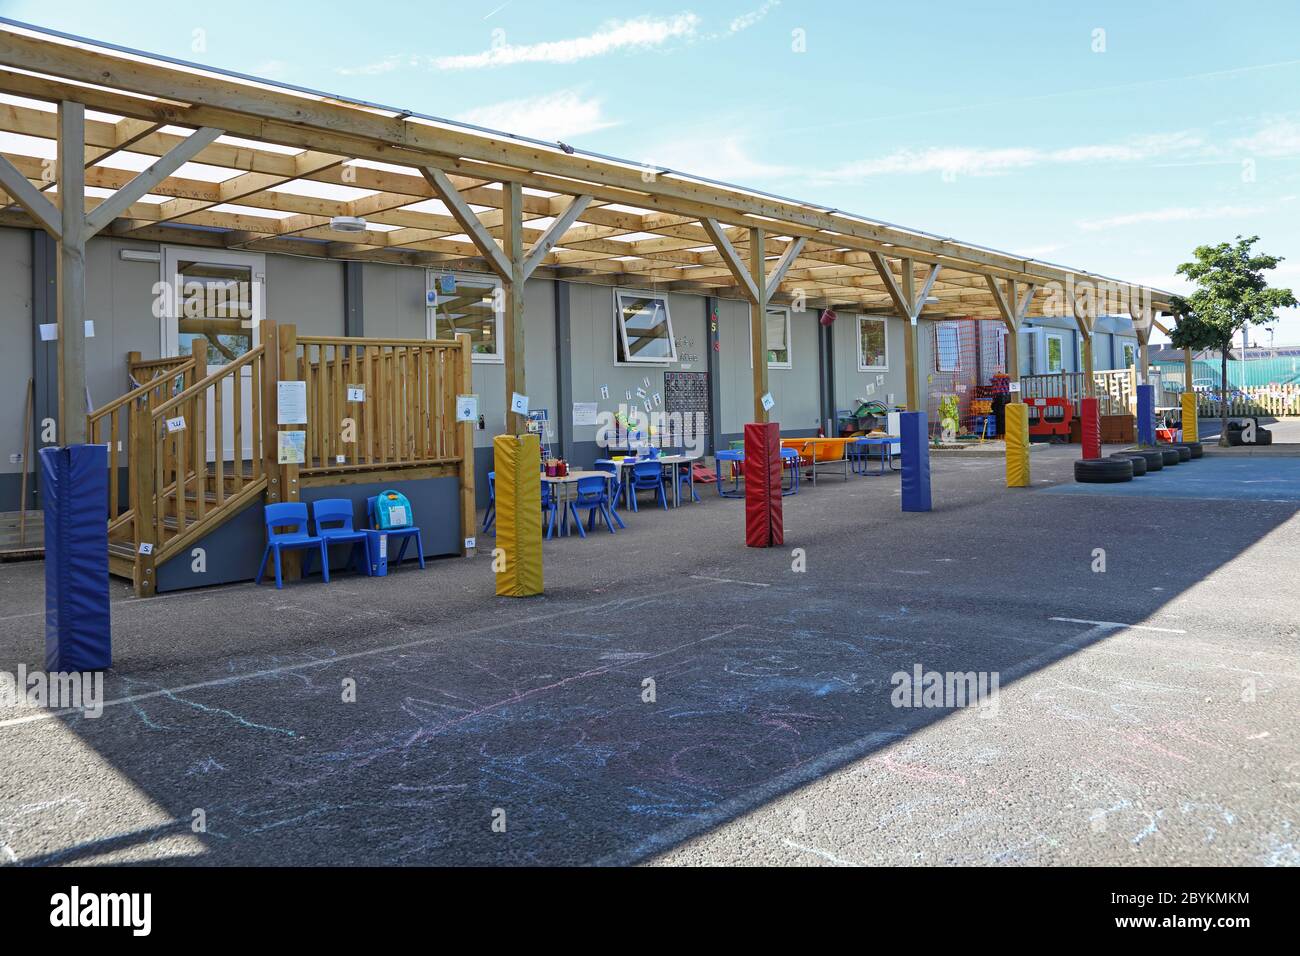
(1231, 293)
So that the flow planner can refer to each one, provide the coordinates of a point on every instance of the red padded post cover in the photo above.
(763, 519)
(1090, 428)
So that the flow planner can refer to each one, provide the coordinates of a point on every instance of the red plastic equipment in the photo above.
(1090, 412)
(1049, 417)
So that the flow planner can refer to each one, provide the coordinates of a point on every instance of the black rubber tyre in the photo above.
(1170, 456)
(1234, 436)
(1194, 447)
(1155, 460)
(1139, 461)
(1101, 471)
(1263, 436)
(1184, 453)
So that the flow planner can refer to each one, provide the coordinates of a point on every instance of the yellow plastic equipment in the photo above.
(1191, 432)
(517, 459)
(1017, 426)
(818, 449)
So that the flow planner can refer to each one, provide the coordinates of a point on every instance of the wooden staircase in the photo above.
(174, 494)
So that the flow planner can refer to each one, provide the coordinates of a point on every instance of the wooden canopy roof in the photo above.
(276, 164)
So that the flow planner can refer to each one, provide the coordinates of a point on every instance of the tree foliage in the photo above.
(1232, 293)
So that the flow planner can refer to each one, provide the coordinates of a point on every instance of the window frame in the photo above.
(1047, 352)
(789, 331)
(884, 324)
(620, 330)
(938, 351)
(482, 279)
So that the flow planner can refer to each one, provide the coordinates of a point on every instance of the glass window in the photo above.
(778, 338)
(215, 304)
(472, 304)
(947, 352)
(644, 327)
(873, 345)
(1130, 355)
(1055, 351)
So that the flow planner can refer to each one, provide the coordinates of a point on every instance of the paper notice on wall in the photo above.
(640, 393)
(628, 394)
(466, 408)
(1014, 387)
(768, 402)
(658, 399)
(292, 448)
(646, 381)
(90, 328)
(356, 393)
(519, 403)
(291, 403)
(584, 413)
(604, 391)
(176, 424)
(49, 331)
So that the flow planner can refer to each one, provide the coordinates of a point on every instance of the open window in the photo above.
(469, 303)
(873, 344)
(947, 350)
(778, 338)
(1055, 352)
(643, 329)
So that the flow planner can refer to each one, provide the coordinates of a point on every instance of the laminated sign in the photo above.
(293, 448)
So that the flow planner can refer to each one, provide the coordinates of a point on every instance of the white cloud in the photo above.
(982, 161)
(1173, 214)
(640, 33)
(1278, 137)
(724, 157)
(554, 116)
(747, 20)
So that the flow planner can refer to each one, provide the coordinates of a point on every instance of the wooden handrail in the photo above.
(138, 392)
(362, 342)
(203, 383)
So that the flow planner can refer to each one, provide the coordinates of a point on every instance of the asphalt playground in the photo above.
(677, 698)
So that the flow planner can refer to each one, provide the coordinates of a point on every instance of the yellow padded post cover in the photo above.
(1017, 431)
(1190, 430)
(517, 459)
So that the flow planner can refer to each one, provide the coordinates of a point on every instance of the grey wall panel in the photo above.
(592, 331)
(305, 292)
(853, 383)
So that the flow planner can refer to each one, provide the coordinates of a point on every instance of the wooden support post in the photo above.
(1187, 371)
(513, 321)
(71, 173)
(468, 505)
(143, 441)
(758, 321)
(270, 440)
(288, 362)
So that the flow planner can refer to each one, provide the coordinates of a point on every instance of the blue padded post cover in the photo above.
(914, 432)
(74, 489)
(1146, 414)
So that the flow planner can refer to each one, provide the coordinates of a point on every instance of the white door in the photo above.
(217, 297)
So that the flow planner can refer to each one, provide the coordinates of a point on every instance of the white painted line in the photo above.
(1134, 627)
(752, 584)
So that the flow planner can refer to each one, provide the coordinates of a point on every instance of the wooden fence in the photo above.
(1116, 389)
(1278, 401)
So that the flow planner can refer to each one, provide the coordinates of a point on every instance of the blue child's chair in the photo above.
(616, 489)
(406, 534)
(292, 515)
(337, 514)
(592, 495)
(648, 476)
(550, 508)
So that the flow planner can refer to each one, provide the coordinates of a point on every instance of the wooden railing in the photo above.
(112, 425)
(183, 479)
(143, 370)
(378, 403)
(203, 444)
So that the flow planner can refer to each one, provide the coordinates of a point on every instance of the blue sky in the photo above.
(1108, 136)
